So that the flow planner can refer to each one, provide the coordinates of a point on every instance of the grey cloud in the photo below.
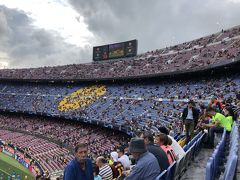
(156, 23)
(28, 46)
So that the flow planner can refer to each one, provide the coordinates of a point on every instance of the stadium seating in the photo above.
(169, 173)
(177, 169)
(232, 159)
(216, 161)
(213, 50)
(127, 107)
(47, 153)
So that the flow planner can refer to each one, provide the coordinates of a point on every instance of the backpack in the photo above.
(170, 153)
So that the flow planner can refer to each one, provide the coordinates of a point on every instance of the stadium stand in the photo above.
(48, 119)
(214, 50)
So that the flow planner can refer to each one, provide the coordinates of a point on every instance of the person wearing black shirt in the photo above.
(155, 150)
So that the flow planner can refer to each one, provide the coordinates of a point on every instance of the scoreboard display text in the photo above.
(113, 51)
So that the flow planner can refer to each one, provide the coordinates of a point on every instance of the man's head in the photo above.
(210, 111)
(148, 137)
(120, 151)
(100, 161)
(137, 147)
(163, 130)
(81, 151)
(190, 104)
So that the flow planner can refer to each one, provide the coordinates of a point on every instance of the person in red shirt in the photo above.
(165, 143)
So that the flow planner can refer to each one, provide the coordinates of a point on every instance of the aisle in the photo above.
(197, 169)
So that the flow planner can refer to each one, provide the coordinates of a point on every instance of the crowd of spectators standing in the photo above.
(216, 49)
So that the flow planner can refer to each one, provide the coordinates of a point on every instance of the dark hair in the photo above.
(164, 139)
(230, 110)
(79, 146)
(163, 130)
(169, 141)
(148, 135)
(95, 169)
(210, 109)
(121, 149)
(238, 96)
(191, 102)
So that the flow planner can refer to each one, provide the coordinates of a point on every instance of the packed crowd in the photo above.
(69, 134)
(108, 149)
(150, 154)
(51, 156)
(216, 49)
(127, 107)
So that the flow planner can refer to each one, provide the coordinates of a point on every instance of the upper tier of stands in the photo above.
(210, 51)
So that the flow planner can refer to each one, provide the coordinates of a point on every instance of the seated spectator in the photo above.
(96, 173)
(81, 166)
(228, 112)
(147, 167)
(219, 122)
(116, 166)
(105, 170)
(123, 158)
(165, 143)
(178, 150)
(155, 150)
(216, 104)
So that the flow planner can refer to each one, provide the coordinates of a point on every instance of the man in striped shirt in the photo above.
(105, 171)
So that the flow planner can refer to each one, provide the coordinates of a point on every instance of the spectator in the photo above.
(215, 103)
(123, 158)
(190, 118)
(219, 122)
(155, 150)
(81, 166)
(117, 167)
(105, 170)
(147, 167)
(228, 112)
(165, 143)
(96, 173)
(178, 150)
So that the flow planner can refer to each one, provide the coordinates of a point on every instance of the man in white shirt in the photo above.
(123, 158)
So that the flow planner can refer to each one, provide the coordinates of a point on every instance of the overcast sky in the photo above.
(37, 33)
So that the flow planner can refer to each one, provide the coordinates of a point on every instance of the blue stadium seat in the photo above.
(209, 170)
(171, 171)
(230, 171)
(162, 176)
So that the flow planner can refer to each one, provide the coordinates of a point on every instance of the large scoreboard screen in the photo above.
(118, 50)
